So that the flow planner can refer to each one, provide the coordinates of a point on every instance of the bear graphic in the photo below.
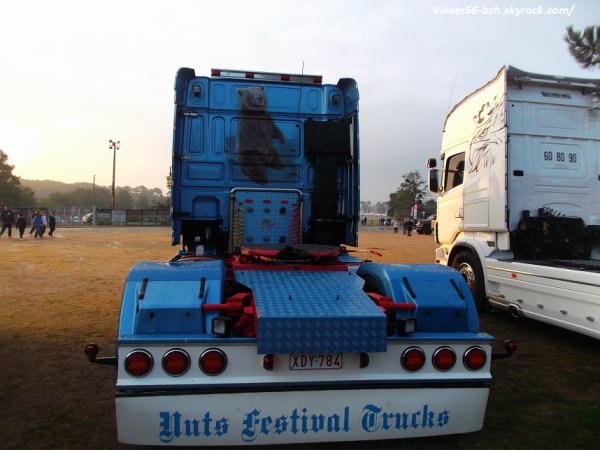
(256, 132)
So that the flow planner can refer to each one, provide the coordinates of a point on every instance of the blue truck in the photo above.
(265, 328)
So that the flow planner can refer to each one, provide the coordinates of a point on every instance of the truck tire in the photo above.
(470, 268)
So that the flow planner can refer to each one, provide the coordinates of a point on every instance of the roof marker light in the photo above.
(267, 76)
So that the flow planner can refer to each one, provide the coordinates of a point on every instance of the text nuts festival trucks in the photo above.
(263, 329)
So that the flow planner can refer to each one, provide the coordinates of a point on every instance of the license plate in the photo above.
(307, 361)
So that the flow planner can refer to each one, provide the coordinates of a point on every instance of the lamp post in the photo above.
(114, 145)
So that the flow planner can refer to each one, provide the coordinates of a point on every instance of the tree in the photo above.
(12, 194)
(123, 198)
(163, 202)
(584, 46)
(429, 208)
(411, 191)
(380, 208)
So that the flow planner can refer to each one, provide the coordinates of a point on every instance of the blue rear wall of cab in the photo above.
(207, 161)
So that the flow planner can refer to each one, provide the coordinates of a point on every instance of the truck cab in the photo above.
(518, 196)
(248, 130)
(265, 328)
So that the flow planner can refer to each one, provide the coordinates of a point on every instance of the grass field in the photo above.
(57, 294)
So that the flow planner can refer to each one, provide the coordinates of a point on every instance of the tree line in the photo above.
(126, 197)
(14, 194)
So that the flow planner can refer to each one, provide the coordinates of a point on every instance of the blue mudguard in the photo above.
(166, 298)
(443, 300)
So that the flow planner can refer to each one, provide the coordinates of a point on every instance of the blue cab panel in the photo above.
(270, 134)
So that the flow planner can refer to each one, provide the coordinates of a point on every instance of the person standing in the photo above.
(38, 225)
(7, 222)
(21, 225)
(409, 227)
(44, 223)
(33, 216)
(51, 224)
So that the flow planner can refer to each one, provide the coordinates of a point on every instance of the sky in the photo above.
(76, 74)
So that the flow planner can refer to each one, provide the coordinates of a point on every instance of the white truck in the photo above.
(518, 207)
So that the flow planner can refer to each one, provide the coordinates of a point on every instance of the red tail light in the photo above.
(176, 362)
(444, 358)
(412, 359)
(474, 358)
(213, 361)
(138, 363)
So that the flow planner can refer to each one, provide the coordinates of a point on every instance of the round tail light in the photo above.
(213, 361)
(176, 362)
(474, 358)
(444, 359)
(138, 363)
(412, 359)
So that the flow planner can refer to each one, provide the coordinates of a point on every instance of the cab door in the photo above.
(450, 203)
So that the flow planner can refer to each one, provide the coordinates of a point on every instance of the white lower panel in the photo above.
(299, 416)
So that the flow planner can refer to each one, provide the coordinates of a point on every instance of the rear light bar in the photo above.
(213, 361)
(267, 76)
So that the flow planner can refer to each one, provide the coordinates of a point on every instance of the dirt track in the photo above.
(57, 294)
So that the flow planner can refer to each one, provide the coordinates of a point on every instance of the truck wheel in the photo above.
(470, 268)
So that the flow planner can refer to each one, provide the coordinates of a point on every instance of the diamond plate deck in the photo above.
(314, 312)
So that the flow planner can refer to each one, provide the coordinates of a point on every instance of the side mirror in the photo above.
(433, 182)
(431, 163)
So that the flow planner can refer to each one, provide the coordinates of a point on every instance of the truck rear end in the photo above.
(264, 328)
